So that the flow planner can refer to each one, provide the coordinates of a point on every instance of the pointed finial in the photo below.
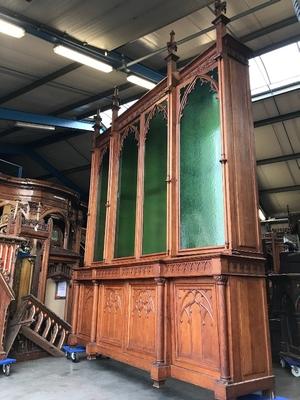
(172, 45)
(98, 120)
(220, 7)
(116, 99)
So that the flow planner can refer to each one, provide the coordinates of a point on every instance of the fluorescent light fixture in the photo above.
(21, 124)
(140, 81)
(10, 29)
(262, 216)
(82, 58)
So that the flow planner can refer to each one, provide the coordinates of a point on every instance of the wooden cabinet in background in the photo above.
(174, 276)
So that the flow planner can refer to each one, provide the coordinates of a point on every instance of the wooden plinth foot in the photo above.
(158, 384)
(269, 394)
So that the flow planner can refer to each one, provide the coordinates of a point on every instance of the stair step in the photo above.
(41, 342)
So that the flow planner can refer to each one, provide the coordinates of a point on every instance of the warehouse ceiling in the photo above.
(131, 35)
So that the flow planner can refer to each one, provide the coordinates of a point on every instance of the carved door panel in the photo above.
(142, 318)
(195, 332)
(85, 308)
(111, 315)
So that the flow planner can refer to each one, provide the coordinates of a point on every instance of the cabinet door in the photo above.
(155, 186)
(101, 208)
(201, 197)
(126, 204)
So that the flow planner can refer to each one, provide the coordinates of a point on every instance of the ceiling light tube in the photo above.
(21, 124)
(82, 58)
(140, 81)
(11, 29)
(261, 214)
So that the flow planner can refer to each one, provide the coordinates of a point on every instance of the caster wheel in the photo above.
(74, 357)
(68, 356)
(295, 371)
(282, 363)
(6, 370)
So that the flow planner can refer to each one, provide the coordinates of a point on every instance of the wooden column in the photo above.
(112, 190)
(221, 282)
(92, 210)
(140, 190)
(44, 266)
(172, 170)
(94, 312)
(160, 370)
(75, 312)
(238, 158)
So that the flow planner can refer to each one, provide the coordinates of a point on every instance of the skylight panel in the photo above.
(275, 70)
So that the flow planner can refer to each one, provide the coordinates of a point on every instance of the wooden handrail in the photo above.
(33, 300)
(40, 325)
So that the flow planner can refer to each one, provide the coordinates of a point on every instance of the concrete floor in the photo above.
(53, 379)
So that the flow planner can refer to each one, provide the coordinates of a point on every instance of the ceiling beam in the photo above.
(269, 29)
(280, 189)
(8, 114)
(92, 99)
(272, 160)
(276, 119)
(39, 82)
(206, 30)
(277, 45)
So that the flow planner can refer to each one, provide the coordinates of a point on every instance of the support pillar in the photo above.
(76, 291)
(160, 371)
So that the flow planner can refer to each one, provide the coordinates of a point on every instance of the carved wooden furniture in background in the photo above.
(50, 218)
(8, 252)
(273, 245)
(47, 218)
(174, 281)
(6, 296)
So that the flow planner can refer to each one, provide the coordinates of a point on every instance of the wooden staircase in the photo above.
(6, 296)
(40, 325)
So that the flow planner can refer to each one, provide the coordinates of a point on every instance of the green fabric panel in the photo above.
(101, 208)
(155, 187)
(125, 228)
(201, 197)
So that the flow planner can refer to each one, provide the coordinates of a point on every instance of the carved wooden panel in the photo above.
(85, 306)
(111, 315)
(142, 318)
(195, 325)
(250, 332)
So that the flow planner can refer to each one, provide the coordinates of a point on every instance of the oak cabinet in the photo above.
(174, 276)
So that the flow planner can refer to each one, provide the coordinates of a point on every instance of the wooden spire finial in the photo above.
(97, 127)
(220, 7)
(172, 59)
(172, 45)
(115, 108)
(220, 23)
(116, 99)
(98, 120)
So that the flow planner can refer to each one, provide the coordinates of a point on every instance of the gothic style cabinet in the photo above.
(174, 276)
